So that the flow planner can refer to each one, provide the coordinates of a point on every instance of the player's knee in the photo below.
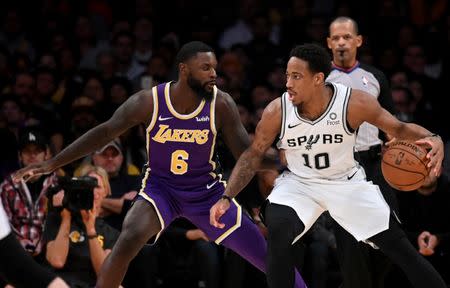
(390, 237)
(140, 224)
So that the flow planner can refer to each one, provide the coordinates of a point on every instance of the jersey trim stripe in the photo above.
(152, 202)
(283, 114)
(235, 226)
(330, 104)
(174, 112)
(344, 111)
(154, 116)
(212, 123)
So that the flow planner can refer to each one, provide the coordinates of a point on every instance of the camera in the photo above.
(78, 192)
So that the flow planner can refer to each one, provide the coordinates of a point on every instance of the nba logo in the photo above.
(364, 80)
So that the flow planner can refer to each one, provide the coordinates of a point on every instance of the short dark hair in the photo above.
(342, 19)
(190, 49)
(317, 57)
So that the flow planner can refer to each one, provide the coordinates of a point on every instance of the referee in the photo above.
(361, 265)
(16, 265)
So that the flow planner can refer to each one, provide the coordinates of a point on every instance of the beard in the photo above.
(199, 88)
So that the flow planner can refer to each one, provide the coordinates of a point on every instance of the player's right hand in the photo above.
(31, 171)
(217, 211)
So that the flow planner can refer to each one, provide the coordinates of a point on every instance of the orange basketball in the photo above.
(404, 165)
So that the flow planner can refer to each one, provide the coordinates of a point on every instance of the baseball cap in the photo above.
(115, 144)
(33, 137)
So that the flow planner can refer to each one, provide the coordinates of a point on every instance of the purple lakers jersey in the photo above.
(180, 147)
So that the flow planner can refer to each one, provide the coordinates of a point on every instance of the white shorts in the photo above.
(356, 204)
(5, 229)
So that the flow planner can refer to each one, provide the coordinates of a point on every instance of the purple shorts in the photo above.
(194, 205)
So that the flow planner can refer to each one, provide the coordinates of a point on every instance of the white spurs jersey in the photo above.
(322, 148)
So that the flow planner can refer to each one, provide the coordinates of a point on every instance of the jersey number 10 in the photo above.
(321, 161)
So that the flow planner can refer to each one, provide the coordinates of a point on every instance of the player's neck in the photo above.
(317, 105)
(184, 100)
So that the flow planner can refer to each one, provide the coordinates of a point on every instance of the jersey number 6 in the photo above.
(178, 164)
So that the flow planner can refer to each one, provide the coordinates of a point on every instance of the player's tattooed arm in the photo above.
(250, 161)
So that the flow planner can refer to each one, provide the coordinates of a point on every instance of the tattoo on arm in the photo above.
(244, 171)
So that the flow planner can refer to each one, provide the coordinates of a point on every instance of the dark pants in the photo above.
(362, 266)
(283, 225)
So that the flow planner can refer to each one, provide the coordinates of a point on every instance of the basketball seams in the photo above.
(402, 162)
(413, 154)
(401, 169)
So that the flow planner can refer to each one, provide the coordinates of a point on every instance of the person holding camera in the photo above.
(78, 241)
(25, 203)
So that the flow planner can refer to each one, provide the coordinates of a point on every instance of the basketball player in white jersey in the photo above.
(316, 123)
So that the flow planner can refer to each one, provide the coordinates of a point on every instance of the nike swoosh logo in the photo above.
(208, 186)
(164, 118)
(292, 126)
(351, 176)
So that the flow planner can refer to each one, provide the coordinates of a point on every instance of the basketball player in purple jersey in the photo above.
(182, 120)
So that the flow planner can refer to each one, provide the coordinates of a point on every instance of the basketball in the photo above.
(404, 165)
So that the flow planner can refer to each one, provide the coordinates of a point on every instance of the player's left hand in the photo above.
(436, 153)
(217, 211)
(32, 171)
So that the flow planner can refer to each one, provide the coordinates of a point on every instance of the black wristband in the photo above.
(226, 197)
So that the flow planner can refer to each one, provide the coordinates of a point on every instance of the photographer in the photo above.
(79, 241)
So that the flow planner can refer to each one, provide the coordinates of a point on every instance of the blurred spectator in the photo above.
(82, 116)
(106, 65)
(425, 215)
(79, 241)
(241, 32)
(25, 203)
(47, 59)
(143, 31)
(404, 103)
(124, 181)
(124, 45)
(88, 44)
(24, 86)
(94, 89)
(12, 34)
(190, 258)
(13, 113)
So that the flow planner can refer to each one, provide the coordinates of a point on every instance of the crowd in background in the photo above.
(65, 67)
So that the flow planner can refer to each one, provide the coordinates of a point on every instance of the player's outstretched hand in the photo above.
(435, 154)
(32, 170)
(217, 211)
